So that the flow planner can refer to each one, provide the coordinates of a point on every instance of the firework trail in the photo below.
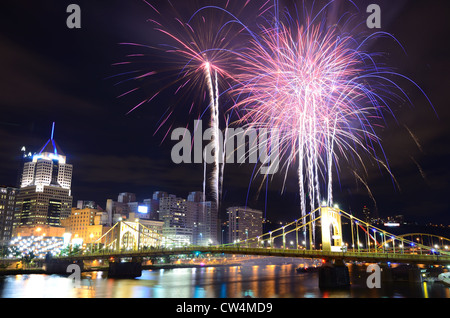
(422, 173)
(214, 105)
(416, 140)
(198, 46)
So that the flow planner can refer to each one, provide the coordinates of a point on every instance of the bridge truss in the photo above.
(324, 233)
(339, 231)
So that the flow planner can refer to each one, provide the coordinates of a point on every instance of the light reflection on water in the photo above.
(260, 281)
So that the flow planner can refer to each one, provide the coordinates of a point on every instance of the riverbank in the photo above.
(22, 271)
(163, 266)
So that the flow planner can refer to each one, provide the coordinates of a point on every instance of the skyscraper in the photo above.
(366, 214)
(244, 223)
(126, 197)
(45, 192)
(25, 156)
(157, 195)
(172, 211)
(202, 218)
(152, 209)
(126, 203)
(7, 210)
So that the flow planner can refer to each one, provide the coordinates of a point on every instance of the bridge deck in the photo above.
(371, 257)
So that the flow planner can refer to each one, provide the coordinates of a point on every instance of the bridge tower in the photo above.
(129, 237)
(332, 275)
(331, 229)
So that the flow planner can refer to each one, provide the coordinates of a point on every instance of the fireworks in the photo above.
(313, 83)
(196, 48)
(324, 94)
(307, 83)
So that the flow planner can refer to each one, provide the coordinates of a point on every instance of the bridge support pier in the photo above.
(334, 276)
(131, 269)
(386, 273)
(403, 272)
(60, 267)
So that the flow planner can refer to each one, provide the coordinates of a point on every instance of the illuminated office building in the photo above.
(366, 214)
(127, 203)
(244, 223)
(25, 156)
(45, 192)
(86, 225)
(7, 211)
(172, 211)
(202, 218)
(126, 197)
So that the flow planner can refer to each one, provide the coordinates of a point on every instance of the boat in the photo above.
(302, 269)
(306, 269)
(444, 278)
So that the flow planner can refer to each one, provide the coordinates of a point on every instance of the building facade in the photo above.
(202, 217)
(127, 203)
(45, 192)
(7, 212)
(366, 214)
(82, 204)
(86, 225)
(173, 212)
(126, 197)
(244, 223)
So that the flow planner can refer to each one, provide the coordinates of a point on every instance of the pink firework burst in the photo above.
(324, 95)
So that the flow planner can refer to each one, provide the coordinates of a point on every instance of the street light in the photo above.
(92, 243)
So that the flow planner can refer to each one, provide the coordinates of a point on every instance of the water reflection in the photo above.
(260, 281)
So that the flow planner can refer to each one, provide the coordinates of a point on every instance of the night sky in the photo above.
(50, 73)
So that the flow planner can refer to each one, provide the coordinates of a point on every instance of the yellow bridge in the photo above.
(325, 233)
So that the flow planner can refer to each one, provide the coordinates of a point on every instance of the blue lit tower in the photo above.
(202, 218)
(45, 191)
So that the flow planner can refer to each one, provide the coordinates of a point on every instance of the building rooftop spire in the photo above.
(53, 130)
(51, 146)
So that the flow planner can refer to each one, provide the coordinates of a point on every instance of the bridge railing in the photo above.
(280, 252)
(362, 239)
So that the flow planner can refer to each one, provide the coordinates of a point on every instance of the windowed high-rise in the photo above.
(244, 223)
(366, 214)
(45, 191)
(126, 197)
(25, 156)
(7, 210)
(202, 218)
(172, 211)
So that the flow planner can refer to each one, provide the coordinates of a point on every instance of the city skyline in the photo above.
(216, 156)
(65, 74)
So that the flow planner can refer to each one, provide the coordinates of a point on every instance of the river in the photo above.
(258, 281)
